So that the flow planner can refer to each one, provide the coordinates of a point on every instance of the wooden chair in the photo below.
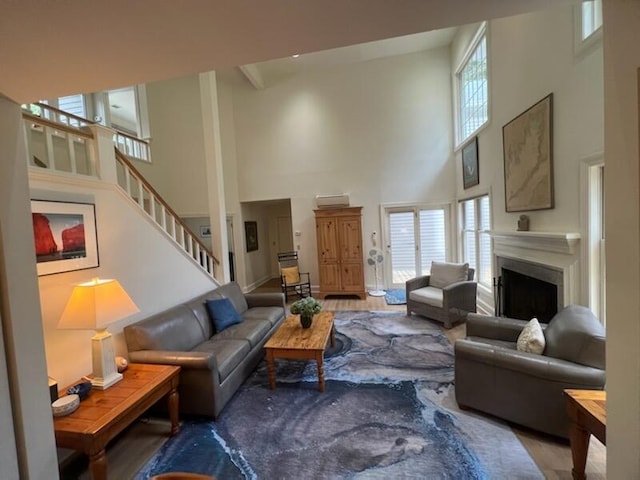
(292, 281)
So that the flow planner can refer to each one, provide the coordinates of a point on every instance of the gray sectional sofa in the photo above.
(214, 364)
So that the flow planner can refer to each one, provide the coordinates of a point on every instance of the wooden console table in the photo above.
(587, 411)
(105, 413)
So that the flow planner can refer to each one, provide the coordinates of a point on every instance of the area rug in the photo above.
(396, 297)
(388, 411)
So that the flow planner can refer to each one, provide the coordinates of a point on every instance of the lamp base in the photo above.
(105, 372)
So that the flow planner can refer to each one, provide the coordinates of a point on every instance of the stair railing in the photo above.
(145, 196)
(132, 146)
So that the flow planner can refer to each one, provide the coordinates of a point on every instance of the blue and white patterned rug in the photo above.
(388, 411)
(396, 297)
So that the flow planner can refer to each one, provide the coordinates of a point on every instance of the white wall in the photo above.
(378, 130)
(257, 266)
(155, 273)
(622, 188)
(177, 145)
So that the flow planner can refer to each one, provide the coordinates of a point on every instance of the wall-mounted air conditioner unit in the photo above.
(332, 201)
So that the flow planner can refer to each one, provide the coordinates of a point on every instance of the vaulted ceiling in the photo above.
(51, 48)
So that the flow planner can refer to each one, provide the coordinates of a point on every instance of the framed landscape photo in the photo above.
(205, 231)
(470, 173)
(527, 141)
(65, 236)
(251, 235)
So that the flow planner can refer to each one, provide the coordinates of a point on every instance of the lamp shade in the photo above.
(94, 305)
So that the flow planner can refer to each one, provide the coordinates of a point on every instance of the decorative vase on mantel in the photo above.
(306, 319)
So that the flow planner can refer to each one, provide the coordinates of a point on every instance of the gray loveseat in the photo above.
(213, 364)
(492, 376)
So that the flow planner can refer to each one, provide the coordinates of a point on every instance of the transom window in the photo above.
(591, 17)
(473, 89)
(476, 241)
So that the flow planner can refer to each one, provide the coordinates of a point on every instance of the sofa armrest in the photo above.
(418, 282)
(498, 328)
(265, 299)
(539, 366)
(190, 360)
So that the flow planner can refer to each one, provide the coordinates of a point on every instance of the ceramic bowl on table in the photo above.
(65, 405)
(81, 389)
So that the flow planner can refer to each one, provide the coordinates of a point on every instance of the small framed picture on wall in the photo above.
(251, 235)
(470, 174)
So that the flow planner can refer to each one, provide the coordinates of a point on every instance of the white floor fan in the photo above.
(376, 258)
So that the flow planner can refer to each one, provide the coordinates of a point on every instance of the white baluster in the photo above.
(72, 153)
(48, 139)
(140, 193)
(163, 217)
(152, 212)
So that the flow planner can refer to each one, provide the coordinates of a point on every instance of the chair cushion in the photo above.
(223, 314)
(531, 339)
(429, 295)
(444, 274)
(575, 334)
(291, 275)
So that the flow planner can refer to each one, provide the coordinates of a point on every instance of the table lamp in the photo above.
(93, 306)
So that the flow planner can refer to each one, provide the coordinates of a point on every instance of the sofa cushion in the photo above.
(429, 295)
(576, 335)
(444, 274)
(228, 353)
(223, 313)
(233, 292)
(253, 330)
(531, 339)
(199, 308)
(272, 314)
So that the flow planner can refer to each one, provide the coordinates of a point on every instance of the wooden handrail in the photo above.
(45, 106)
(132, 137)
(58, 126)
(123, 158)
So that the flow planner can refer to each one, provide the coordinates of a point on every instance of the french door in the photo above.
(416, 236)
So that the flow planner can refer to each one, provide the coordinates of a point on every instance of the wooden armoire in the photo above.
(340, 263)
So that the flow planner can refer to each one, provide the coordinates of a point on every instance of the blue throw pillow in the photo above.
(222, 313)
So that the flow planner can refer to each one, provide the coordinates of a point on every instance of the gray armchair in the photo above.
(447, 295)
(525, 388)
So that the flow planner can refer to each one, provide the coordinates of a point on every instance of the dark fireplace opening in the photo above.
(525, 297)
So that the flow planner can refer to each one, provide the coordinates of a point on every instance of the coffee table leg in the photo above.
(98, 465)
(319, 360)
(333, 335)
(579, 438)
(271, 369)
(173, 401)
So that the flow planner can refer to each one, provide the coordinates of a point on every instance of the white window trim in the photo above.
(581, 47)
(483, 29)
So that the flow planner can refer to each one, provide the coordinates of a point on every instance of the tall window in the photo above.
(473, 89)
(591, 17)
(476, 242)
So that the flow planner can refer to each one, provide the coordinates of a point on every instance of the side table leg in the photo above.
(333, 335)
(579, 438)
(173, 401)
(98, 465)
(271, 369)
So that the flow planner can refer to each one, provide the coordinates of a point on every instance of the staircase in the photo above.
(65, 144)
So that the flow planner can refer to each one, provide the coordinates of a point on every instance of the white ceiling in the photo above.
(51, 48)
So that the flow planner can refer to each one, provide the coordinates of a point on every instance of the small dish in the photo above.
(81, 389)
(65, 405)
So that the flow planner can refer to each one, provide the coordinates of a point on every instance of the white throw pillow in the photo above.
(531, 339)
(444, 274)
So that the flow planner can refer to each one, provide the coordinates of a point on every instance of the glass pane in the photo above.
(469, 251)
(403, 246)
(432, 239)
(485, 214)
(469, 215)
(473, 91)
(484, 270)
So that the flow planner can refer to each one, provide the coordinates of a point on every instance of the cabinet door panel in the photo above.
(351, 277)
(350, 232)
(326, 235)
(329, 277)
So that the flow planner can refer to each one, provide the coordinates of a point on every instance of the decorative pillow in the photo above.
(444, 274)
(531, 339)
(291, 275)
(222, 313)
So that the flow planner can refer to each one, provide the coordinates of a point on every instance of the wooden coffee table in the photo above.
(293, 341)
(105, 413)
(587, 411)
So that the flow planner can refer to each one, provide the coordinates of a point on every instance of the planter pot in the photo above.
(305, 320)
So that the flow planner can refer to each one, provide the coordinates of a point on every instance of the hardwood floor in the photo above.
(137, 445)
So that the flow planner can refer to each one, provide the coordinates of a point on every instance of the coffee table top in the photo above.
(591, 402)
(291, 336)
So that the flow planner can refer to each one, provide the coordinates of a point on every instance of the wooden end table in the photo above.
(105, 413)
(587, 412)
(293, 341)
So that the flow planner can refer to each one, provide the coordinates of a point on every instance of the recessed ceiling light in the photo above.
(296, 55)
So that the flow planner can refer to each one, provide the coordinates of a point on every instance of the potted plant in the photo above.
(306, 308)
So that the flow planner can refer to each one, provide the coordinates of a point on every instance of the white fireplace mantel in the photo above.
(556, 242)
